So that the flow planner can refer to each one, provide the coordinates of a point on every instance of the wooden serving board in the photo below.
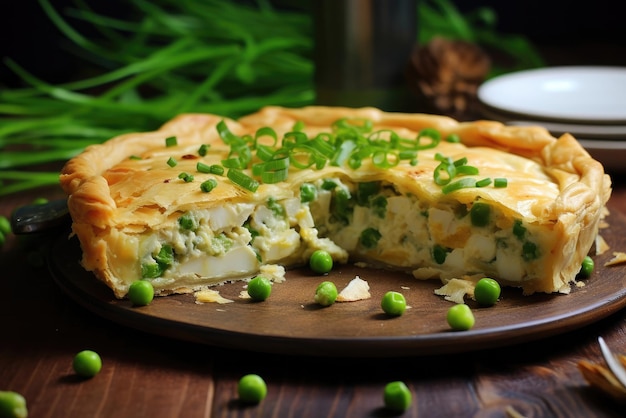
(289, 322)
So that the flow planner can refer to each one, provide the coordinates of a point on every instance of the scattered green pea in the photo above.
(259, 288)
(141, 292)
(397, 396)
(321, 262)
(87, 363)
(12, 405)
(460, 317)
(252, 388)
(587, 267)
(326, 293)
(393, 303)
(487, 291)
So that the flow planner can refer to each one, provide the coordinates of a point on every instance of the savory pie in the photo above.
(206, 199)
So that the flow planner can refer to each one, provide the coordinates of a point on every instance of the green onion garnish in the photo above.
(216, 169)
(453, 138)
(203, 168)
(172, 162)
(134, 157)
(242, 179)
(484, 182)
(171, 141)
(459, 184)
(500, 182)
(208, 185)
(204, 148)
(186, 177)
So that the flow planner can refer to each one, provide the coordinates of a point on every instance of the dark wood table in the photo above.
(145, 375)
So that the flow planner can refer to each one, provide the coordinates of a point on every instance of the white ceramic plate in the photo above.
(579, 94)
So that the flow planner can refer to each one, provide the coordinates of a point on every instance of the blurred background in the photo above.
(589, 33)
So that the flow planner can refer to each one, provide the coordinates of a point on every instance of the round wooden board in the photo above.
(289, 322)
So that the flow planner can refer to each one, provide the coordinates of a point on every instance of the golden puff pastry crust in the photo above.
(126, 203)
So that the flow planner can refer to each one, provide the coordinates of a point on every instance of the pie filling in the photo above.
(373, 221)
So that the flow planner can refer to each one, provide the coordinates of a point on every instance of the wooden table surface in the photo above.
(146, 375)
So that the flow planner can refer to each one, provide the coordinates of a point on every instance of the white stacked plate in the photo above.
(588, 102)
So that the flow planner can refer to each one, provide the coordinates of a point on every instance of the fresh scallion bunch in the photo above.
(167, 58)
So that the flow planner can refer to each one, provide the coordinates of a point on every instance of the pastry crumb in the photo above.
(601, 245)
(210, 296)
(357, 289)
(274, 272)
(618, 258)
(456, 289)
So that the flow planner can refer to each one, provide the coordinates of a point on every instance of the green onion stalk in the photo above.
(167, 57)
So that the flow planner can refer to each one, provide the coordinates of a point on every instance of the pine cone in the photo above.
(448, 73)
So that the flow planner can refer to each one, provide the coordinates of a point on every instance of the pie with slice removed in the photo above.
(207, 199)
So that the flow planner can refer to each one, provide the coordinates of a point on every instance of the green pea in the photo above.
(141, 292)
(321, 262)
(397, 396)
(487, 291)
(252, 388)
(5, 225)
(587, 267)
(479, 214)
(393, 303)
(326, 293)
(12, 405)
(87, 363)
(460, 317)
(259, 288)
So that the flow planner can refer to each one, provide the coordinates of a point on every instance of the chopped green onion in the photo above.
(267, 131)
(433, 134)
(444, 167)
(134, 157)
(271, 177)
(172, 162)
(171, 141)
(461, 161)
(484, 182)
(216, 169)
(186, 177)
(463, 183)
(241, 179)
(453, 138)
(500, 182)
(203, 168)
(204, 148)
(208, 185)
